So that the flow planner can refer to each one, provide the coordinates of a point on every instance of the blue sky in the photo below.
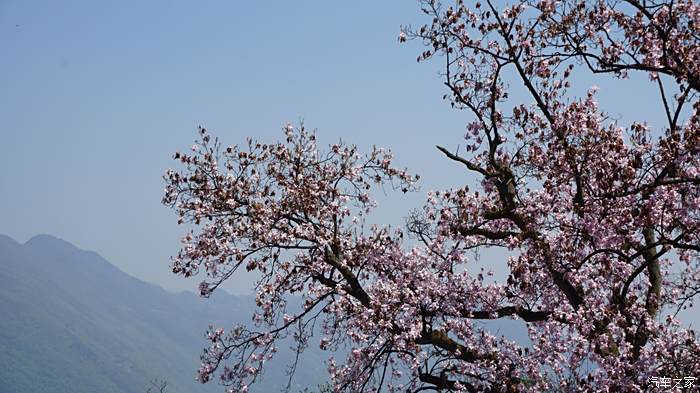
(96, 96)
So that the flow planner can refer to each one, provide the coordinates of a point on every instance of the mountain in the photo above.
(72, 322)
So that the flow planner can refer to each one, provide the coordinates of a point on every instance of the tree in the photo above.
(603, 218)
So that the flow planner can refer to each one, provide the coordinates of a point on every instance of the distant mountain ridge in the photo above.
(73, 322)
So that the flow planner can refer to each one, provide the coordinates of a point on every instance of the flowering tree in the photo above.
(602, 218)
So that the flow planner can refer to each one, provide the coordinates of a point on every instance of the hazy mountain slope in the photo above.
(72, 322)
